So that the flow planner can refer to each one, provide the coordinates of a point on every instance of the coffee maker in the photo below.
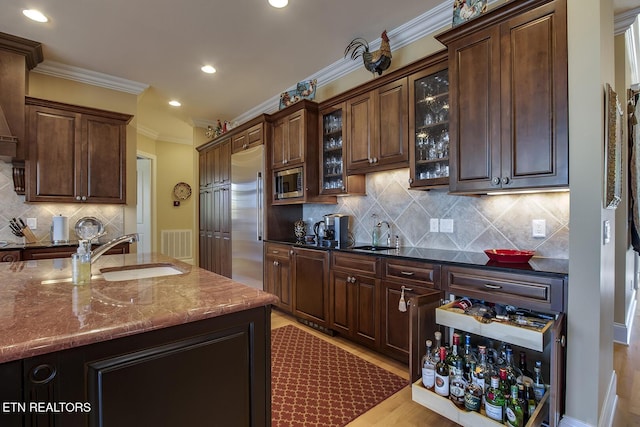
(336, 230)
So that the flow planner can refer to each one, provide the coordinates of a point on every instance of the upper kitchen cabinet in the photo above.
(508, 98)
(429, 125)
(248, 138)
(75, 154)
(377, 129)
(333, 174)
(290, 132)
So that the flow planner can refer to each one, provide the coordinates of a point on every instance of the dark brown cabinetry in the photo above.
(248, 138)
(509, 110)
(429, 125)
(333, 173)
(377, 129)
(215, 208)
(310, 274)
(353, 298)
(75, 154)
(277, 274)
(214, 369)
(10, 256)
(402, 279)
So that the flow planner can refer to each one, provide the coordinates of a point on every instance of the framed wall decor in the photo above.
(613, 149)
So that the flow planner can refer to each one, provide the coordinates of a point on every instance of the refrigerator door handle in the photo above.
(260, 208)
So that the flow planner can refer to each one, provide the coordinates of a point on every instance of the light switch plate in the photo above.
(434, 225)
(32, 223)
(446, 225)
(538, 228)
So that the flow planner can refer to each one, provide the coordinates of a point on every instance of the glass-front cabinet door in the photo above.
(429, 127)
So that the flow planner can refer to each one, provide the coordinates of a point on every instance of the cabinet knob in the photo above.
(84, 198)
(285, 161)
(562, 340)
(505, 180)
(410, 180)
(42, 374)
(276, 263)
(370, 160)
(78, 198)
(495, 180)
(344, 188)
(245, 145)
(375, 160)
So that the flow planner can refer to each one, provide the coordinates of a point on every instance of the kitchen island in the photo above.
(191, 348)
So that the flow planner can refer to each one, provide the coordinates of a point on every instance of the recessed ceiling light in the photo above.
(175, 103)
(35, 15)
(278, 3)
(208, 69)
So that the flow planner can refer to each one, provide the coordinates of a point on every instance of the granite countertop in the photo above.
(536, 265)
(41, 311)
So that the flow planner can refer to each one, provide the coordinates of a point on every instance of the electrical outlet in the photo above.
(32, 223)
(446, 225)
(538, 228)
(433, 225)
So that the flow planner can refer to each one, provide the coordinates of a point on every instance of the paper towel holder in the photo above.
(60, 229)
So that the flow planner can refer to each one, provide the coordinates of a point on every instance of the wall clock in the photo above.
(182, 191)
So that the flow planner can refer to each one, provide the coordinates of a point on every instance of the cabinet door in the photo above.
(278, 134)
(106, 146)
(360, 134)
(474, 73)
(222, 163)
(534, 99)
(54, 155)
(365, 310)
(277, 274)
(311, 285)
(391, 123)
(295, 137)
(394, 337)
(340, 300)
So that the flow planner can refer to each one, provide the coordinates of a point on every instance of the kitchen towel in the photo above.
(60, 229)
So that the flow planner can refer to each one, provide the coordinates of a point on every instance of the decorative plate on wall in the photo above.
(182, 191)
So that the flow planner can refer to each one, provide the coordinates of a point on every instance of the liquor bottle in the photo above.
(523, 366)
(468, 356)
(494, 400)
(539, 388)
(454, 355)
(435, 356)
(514, 412)
(457, 385)
(428, 368)
(504, 384)
(481, 373)
(442, 374)
(513, 373)
(473, 395)
(530, 397)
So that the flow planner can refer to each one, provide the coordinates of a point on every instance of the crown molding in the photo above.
(622, 21)
(407, 33)
(69, 72)
(155, 136)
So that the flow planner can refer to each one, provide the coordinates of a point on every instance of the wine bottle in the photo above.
(453, 355)
(514, 412)
(436, 349)
(442, 374)
(428, 368)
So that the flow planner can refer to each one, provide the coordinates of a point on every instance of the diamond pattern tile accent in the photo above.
(314, 383)
(479, 222)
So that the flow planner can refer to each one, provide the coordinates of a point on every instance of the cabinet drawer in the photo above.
(355, 263)
(277, 250)
(417, 273)
(522, 290)
(531, 338)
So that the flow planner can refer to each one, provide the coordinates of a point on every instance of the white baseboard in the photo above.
(622, 332)
(608, 409)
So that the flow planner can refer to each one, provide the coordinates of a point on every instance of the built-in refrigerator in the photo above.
(247, 216)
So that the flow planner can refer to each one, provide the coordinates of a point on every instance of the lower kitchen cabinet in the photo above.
(215, 369)
(311, 286)
(353, 298)
(277, 274)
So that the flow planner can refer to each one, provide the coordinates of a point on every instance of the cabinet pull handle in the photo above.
(489, 286)
(407, 273)
(275, 252)
(404, 288)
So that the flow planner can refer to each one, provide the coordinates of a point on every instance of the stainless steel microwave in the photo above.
(288, 183)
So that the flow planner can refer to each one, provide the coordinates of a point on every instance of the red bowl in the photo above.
(509, 255)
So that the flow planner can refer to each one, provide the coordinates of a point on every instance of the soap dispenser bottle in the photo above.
(81, 263)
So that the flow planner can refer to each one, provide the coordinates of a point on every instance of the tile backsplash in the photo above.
(14, 206)
(479, 223)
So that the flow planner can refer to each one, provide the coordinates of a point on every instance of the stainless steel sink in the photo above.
(372, 248)
(142, 271)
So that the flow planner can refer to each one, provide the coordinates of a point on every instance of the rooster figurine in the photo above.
(376, 61)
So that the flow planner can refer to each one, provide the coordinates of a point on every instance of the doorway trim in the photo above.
(152, 191)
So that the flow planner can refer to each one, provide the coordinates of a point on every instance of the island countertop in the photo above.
(41, 311)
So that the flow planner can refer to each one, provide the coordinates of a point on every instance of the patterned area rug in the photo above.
(315, 383)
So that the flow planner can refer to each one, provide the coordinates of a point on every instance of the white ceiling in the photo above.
(258, 51)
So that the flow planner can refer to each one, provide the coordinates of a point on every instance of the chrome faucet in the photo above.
(102, 249)
(388, 231)
(377, 233)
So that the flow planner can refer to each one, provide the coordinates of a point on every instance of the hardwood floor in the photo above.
(399, 410)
